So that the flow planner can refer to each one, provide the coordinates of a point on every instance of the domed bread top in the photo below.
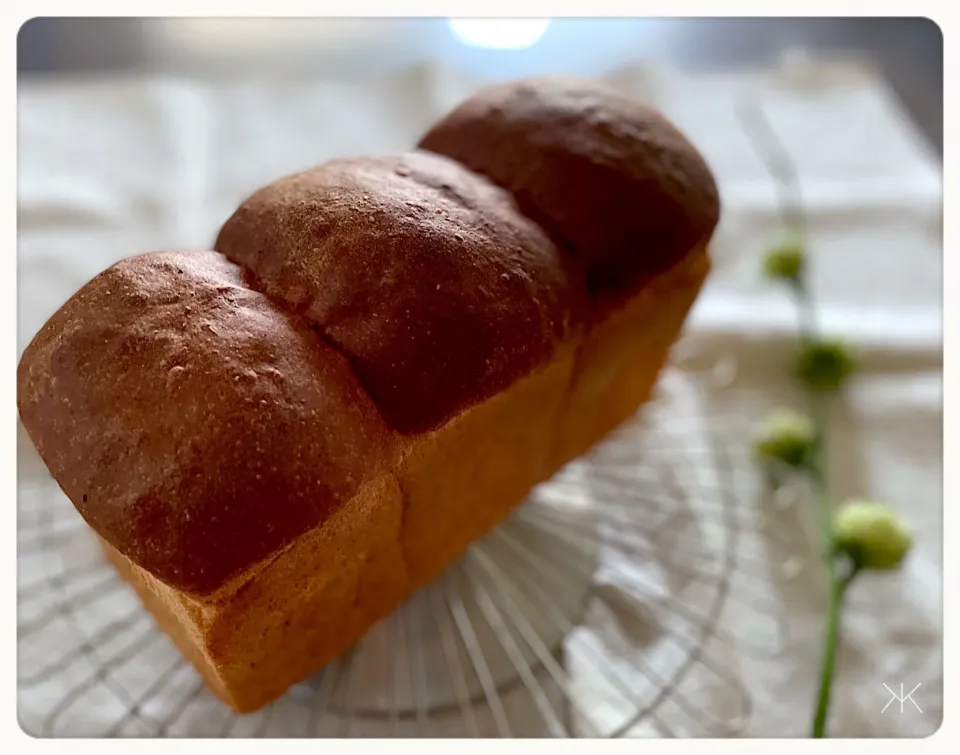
(423, 273)
(203, 412)
(611, 179)
(195, 425)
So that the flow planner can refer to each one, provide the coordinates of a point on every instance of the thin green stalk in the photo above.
(781, 168)
(819, 412)
(838, 589)
(806, 312)
(778, 164)
(820, 415)
(818, 472)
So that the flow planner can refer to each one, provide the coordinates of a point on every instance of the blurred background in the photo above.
(909, 51)
(142, 134)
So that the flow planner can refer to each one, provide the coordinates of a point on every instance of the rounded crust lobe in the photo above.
(202, 410)
(611, 179)
(423, 273)
(195, 426)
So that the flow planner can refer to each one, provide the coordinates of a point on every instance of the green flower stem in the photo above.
(778, 164)
(781, 168)
(838, 589)
(805, 311)
(820, 412)
(818, 469)
(837, 582)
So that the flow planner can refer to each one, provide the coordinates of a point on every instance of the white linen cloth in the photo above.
(113, 167)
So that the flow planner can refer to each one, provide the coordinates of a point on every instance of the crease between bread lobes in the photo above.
(377, 361)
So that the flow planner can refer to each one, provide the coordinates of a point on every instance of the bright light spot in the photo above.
(499, 33)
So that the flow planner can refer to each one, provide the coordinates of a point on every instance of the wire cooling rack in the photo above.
(618, 600)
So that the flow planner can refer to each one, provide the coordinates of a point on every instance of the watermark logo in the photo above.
(902, 698)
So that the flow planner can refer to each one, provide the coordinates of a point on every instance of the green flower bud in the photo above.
(825, 364)
(785, 260)
(871, 534)
(786, 436)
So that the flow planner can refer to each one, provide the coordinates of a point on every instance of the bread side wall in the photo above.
(620, 359)
(293, 613)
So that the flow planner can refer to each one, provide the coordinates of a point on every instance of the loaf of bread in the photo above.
(279, 440)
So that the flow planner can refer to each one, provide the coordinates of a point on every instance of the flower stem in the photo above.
(831, 641)
(777, 161)
(781, 168)
(817, 469)
(820, 412)
(806, 312)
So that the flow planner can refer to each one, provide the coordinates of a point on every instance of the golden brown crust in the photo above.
(196, 427)
(424, 274)
(203, 413)
(292, 613)
(613, 180)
